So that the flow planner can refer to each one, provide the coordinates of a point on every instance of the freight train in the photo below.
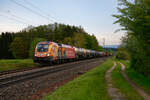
(51, 52)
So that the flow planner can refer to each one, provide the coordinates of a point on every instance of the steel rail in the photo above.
(11, 80)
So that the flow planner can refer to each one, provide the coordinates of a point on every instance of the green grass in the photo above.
(15, 64)
(89, 86)
(138, 78)
(120, 83)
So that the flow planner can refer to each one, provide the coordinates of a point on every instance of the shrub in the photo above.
(122, 55)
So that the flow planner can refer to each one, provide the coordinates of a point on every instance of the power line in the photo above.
(33, 6)
(29, 9)
(9, 12)
(14, 19)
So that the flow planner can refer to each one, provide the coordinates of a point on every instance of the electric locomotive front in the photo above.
(45, 52)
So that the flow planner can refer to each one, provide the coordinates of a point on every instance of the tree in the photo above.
(19, 48)
(122, 54)
(5, 41)
(60, 33)
(134, 17)
(79, 40)
(33, 45)
(68, 40)
(90, 42)
(100, 48)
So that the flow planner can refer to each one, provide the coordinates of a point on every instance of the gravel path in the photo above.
(113, 92)
(142, 93)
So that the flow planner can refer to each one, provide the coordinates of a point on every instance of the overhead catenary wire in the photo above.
(9, 12)
(40, 10)
(29, 9)
(14, 19)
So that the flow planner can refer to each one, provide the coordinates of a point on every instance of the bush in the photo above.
(122, 55)
(19, 48)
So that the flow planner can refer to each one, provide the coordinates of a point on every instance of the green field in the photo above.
(89, 86)
(15, 64)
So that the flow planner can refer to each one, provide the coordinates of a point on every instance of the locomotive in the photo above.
(52, 52)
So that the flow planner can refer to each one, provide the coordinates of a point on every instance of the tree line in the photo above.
(22, 44)
(134, 18)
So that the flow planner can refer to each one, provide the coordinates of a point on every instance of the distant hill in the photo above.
(111, 46)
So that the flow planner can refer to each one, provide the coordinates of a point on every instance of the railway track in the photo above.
(11, 79)
(23, 69)
(15, 71)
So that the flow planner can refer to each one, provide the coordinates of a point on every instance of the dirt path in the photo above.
(144, 94)
(113, 92)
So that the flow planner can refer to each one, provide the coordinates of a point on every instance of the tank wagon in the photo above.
(51, 52)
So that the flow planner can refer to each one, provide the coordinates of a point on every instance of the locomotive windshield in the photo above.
(42, 47)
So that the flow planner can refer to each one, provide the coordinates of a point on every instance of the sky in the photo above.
(95, 16)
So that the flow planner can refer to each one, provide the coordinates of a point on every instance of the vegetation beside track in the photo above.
(120, 83)
(14, 64)
(138, 78)
(90, 86)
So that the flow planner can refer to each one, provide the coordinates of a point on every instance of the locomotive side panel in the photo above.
(54, 51)
(70, 53)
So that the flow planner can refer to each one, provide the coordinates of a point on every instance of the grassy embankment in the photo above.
(92, 86)
(138, 78)
(120, 83)
(89, 86)
(15, 64)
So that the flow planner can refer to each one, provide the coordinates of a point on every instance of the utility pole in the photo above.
(104, 43)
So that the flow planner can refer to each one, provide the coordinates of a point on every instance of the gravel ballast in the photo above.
(36, 88)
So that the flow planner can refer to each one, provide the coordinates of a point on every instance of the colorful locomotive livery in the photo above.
(51, 52)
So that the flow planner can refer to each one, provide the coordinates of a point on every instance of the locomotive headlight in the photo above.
(35, 54)
(48, 54)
